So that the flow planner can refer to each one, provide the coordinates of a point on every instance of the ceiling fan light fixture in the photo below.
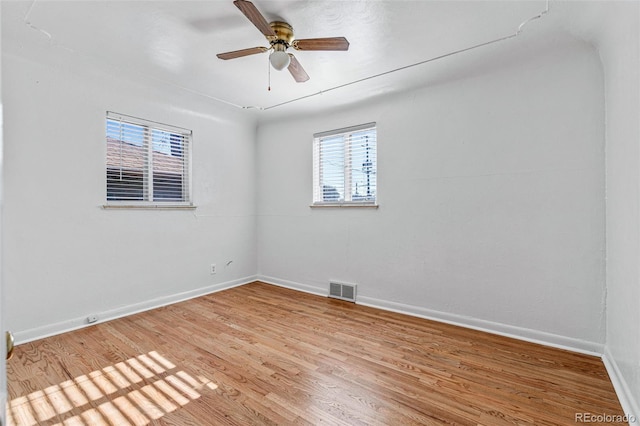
(279, 59)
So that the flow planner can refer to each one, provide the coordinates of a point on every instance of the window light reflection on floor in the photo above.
(106, 396)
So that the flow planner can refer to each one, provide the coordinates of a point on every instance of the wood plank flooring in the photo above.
(264, 355)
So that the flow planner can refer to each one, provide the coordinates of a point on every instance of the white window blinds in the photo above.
(147, 163)
(345, 166)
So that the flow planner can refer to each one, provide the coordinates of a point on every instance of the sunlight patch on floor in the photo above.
(107, 396)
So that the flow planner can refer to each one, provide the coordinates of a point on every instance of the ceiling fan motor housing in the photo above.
(284, 33)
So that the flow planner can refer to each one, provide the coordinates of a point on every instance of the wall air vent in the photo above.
(342, 291)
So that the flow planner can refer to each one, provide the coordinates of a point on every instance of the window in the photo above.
(148, 164)
(345, 166)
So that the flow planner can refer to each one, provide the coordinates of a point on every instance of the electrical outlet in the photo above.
(213, 268)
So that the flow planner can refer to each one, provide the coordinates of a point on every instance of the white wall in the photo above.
(65, 256)
(491, 193)
(618, 42)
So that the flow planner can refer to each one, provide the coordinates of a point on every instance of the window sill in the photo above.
(146, 207)
(343, 205)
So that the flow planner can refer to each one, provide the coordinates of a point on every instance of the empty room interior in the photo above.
(320, 212)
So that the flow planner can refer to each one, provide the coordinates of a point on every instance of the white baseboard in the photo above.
(629, 404)
(78, 323)
(294, 286)
(520, 333)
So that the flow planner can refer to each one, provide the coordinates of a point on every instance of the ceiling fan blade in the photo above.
(296, 70)
(256, 18)
(330, 43)
(241, 53)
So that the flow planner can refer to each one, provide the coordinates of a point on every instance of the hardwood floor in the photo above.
(260, 354)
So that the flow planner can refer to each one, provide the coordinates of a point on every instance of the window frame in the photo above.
(319, 192)
(149, 170)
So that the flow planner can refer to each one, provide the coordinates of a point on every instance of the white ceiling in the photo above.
(175, 43)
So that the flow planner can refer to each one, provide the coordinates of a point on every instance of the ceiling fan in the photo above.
(280, 37)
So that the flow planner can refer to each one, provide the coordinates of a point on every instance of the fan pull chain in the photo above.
(269, 74)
